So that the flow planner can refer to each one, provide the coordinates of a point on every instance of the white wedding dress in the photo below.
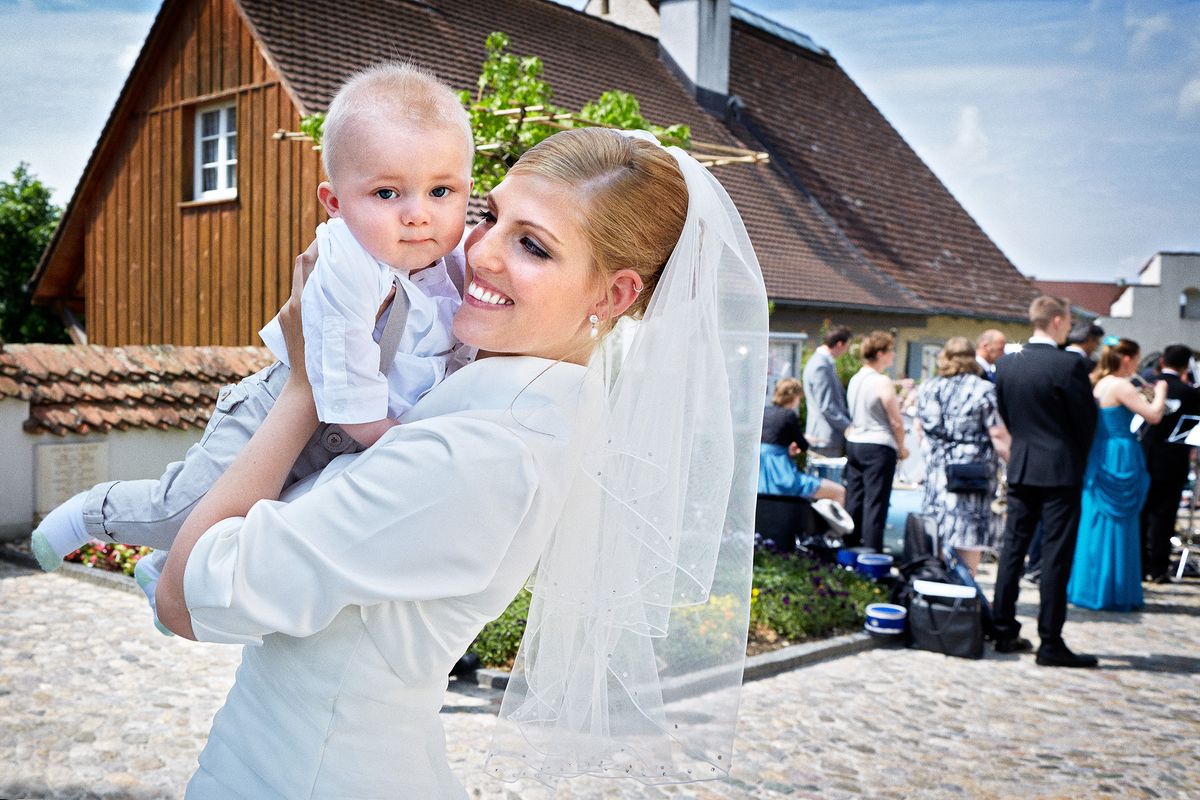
(356, 596)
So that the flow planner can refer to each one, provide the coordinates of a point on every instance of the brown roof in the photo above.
(879, 193)
(804, 256)
(844, 215)
(1095, 297)
(86, 389)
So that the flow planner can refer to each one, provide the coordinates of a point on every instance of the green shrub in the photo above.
(496, 645)
(797, 598)
(794, 598)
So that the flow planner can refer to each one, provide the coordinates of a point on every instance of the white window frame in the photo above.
(223, 190)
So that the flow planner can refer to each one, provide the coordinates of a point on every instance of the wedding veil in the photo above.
(631, 664)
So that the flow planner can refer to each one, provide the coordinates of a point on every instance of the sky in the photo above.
(1070, 131)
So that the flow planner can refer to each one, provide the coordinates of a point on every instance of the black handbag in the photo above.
(968, 477)
(952, 626)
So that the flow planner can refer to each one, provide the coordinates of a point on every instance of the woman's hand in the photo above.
(290, 314)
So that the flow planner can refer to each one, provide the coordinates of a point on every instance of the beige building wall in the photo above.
(917, 337)
(131, 454)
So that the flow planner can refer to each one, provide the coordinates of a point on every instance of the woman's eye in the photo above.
(532, 247)
(385, 194)
(440, 191)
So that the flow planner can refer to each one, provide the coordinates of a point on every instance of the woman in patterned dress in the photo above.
(957, 413)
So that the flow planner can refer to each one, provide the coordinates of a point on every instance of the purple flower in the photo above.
(786, 600)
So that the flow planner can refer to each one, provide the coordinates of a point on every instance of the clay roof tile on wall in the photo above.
(126, 394)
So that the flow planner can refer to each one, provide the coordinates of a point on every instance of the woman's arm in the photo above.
(259, 470)
(1001, 440)
(1128, 395)
(891, 405)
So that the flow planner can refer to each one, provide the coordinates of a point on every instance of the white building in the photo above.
(1163, 307)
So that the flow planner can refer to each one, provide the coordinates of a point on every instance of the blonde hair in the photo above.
(874, 343)
(632, 197)
(1110, 358)
(398, 91)
(787, 390)
(957, 357)
(1045, 308)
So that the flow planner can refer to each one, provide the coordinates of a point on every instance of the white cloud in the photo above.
(1189, 99)
(125, 59)
(1145, 29)
(970, 140)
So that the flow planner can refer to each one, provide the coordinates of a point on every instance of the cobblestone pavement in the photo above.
(94, 703)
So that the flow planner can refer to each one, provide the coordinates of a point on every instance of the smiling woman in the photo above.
(629, 501)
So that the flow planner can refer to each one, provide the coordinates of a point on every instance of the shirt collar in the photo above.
(1042, 340)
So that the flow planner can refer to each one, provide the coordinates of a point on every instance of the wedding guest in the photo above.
(989, 348)
(956, 411)
(1107, 573)
(782, 441)
(1167, 458)
(1083, 340)
(827, 413)
(1045, 399)
(874, 440)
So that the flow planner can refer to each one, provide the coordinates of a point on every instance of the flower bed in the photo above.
(794, 599)
(110, 557)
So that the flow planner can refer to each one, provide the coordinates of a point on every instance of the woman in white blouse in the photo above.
(874, 440)
(358, 590)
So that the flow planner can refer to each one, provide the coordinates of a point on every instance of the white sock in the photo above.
(146, 573)
(60, 533)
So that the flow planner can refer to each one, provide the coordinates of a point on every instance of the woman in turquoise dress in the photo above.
(1107, 572)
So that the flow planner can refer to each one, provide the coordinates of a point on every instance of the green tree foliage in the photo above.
(512, 83)
(27, 220)
(506, 81)
(619, 109)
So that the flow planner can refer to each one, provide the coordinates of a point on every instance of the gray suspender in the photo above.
(393, 329)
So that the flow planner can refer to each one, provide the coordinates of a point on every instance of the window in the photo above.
(216, 152)
(1189, 304)
(785, 357)
(921, 362)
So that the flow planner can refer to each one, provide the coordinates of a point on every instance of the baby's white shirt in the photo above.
(339, 305)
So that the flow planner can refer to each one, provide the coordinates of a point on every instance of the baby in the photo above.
(397, 150)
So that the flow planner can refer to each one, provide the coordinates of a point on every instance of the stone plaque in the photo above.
(64, 470)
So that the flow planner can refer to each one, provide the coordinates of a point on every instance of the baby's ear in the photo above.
(328, 199)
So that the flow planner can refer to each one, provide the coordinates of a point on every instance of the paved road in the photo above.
(95, 704)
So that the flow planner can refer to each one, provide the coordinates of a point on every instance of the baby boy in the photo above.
(397, 150)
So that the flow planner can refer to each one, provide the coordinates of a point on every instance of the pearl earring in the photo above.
(595, 325)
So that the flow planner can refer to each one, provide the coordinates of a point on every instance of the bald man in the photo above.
(989, 347)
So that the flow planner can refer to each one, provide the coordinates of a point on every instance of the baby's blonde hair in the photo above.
(398, 91)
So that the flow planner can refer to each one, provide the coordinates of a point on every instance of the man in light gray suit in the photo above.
(828, 414)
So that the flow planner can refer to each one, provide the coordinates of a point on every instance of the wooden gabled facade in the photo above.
(143, 260)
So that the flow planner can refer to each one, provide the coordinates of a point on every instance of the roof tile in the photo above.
(85, 389)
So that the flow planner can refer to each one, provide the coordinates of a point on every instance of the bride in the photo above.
(623, 476)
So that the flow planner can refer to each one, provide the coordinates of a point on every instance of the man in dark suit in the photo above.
(1083, 340)
(1168, 465)
(1045, 399)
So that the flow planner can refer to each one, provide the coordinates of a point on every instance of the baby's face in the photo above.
(402, 190)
